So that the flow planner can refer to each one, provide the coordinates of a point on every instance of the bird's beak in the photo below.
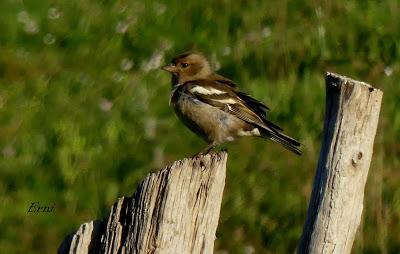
(170, 68)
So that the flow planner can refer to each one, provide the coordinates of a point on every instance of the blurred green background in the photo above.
(84, 110)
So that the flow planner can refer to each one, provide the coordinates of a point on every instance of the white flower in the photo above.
(266, 32)
(154, 62)
(117, 77)
(126, 64)
(23, 17)
(49, 39)
(122, 27)
(105, 105)
(388, 71)
(53, 13)
(31, 27)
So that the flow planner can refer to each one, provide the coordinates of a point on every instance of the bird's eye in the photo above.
(184, 65)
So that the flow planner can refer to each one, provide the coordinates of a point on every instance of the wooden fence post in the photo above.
(336, 203)
(174, 210)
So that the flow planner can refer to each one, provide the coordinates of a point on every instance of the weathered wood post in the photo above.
(174, 210)
(336, 203)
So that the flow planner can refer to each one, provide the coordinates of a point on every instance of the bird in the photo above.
(212, 106)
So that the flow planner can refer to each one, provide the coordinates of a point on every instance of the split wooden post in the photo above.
(336, 203)
(174, 210)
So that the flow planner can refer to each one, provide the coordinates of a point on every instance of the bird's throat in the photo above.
(174, 80)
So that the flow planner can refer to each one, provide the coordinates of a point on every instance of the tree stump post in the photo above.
(174, 210)
(336, 203)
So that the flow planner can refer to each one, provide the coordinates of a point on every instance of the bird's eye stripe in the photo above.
(206, 91)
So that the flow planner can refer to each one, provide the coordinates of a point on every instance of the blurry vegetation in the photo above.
(84, 110)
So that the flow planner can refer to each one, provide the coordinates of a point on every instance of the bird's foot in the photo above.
(205, 150)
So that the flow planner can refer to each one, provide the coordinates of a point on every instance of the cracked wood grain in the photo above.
(336, 203)
(174, 210)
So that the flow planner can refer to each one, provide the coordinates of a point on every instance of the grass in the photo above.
(84, 115)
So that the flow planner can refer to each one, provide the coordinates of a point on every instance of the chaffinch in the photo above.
(213, 108)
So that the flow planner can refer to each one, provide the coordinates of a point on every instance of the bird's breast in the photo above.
(209, 122)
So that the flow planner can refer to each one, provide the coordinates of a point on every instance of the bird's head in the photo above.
(188, 67)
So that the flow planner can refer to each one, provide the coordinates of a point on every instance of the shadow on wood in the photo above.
(174, 210)
(336, 203)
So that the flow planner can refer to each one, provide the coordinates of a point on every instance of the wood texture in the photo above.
(336, 203)
(175, 210)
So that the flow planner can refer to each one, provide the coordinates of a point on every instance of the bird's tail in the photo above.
(288, 142)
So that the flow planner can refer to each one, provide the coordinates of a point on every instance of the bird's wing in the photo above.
(226, 98)
(229, 100)
(256, 105)
(259, 108)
